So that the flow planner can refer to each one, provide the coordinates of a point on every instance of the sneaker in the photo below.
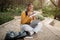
(29, 33)
(28, 37)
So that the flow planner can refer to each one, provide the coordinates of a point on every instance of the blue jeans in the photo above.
(35, 26)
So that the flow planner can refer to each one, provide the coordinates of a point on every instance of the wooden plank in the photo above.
(46, 34)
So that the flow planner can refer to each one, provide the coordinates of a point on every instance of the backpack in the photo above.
(14, 36)
(10, 36)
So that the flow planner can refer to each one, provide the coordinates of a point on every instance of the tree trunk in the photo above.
(59, 3)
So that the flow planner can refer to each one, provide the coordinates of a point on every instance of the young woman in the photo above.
(29, 21)
(25, 16)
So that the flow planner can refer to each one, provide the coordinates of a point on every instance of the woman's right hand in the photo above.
(32, 17)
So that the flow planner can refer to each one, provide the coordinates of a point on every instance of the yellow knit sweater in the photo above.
(24, 18)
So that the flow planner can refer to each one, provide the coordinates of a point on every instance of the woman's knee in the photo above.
(26, 27)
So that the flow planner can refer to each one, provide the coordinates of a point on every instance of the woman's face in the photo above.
(30, 8)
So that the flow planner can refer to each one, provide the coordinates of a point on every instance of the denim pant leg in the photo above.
(38, 27)
(28, 28)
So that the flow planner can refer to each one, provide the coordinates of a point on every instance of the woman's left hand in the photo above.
(34, 18)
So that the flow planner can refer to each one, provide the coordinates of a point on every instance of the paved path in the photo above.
(48, 32)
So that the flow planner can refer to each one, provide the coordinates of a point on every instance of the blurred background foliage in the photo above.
(11, 8)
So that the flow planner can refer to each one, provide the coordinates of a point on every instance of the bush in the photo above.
(16, 11)
(37, 4)
(9, 15)
(5, 18)
(49, 11)
(40, 17)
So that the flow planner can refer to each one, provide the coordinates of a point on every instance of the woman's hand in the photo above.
(33, 18)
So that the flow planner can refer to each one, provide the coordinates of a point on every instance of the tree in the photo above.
(53, 3)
